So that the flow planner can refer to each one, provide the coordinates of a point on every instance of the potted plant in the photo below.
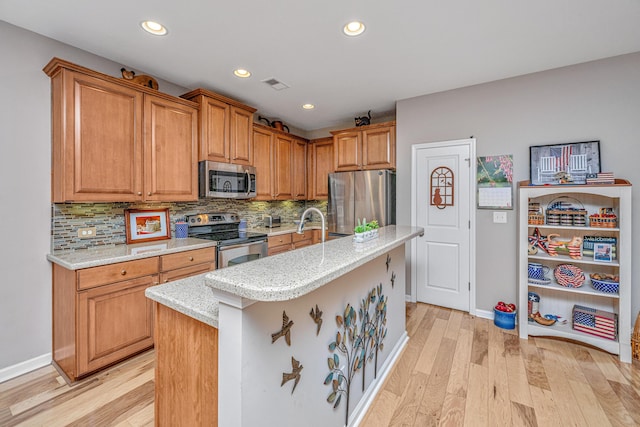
(366, 231)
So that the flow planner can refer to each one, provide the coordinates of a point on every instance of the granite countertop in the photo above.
(103, 255)
(279, 277)
(292, 274)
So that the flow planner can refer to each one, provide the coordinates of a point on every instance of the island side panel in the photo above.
(264, 400)
(186, 381)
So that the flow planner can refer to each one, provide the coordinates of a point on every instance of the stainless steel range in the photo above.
(233, 246)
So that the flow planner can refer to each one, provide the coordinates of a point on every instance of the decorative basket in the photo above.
(606, 286)
(569, 276)
(604, 219)
(536, 218)
(566, 211)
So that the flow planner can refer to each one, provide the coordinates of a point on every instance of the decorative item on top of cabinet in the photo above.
(572, 284)
(225, 128)
(149, 152)
(363, 120)
(365, 147)
(143, 79)
(276, 124)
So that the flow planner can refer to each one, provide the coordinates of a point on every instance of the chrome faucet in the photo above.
(304, 214)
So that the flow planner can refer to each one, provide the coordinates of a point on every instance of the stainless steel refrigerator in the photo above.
(360, 194)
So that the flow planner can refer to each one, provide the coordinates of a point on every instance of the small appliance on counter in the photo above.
(272, 221)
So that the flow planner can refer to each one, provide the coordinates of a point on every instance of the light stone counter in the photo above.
(289, 275)
(103, 255)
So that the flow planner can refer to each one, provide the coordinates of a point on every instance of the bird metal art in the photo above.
(294, 374)
(317, 318)
(285, 331)
(388, 261)
(393, 278)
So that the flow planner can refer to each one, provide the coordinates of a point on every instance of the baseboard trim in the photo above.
(484, 314)
(18, 369)
(367, 399)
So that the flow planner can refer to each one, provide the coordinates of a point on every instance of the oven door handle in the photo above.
(241, 245)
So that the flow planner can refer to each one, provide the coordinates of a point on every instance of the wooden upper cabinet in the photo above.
(283, 156)
(320, 164)
(348, 151)
(225, 128)
(107, 131)
(262, 161)
(366, 147)
(170, 150)
(299, 169)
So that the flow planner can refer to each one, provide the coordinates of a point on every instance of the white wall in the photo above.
(25, 208)
(599, 100)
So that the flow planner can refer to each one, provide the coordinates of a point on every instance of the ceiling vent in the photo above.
(275, 84)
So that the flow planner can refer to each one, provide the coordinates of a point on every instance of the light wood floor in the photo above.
(456, 370)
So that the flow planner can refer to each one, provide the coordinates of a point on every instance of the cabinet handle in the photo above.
(190, 258)
(166, 280)
(149, 193)
(123, 272)
(139, 193)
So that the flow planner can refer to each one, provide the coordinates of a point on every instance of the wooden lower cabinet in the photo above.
(302, 240)
(278, 244)
(114, 322)
(101, 315)
(186, 381)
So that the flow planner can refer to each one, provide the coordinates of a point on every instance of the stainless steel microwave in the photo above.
(226, 180)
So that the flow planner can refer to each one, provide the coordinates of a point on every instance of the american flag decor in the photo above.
(595, 322)
(562, 155)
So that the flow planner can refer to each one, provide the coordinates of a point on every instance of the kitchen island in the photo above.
(301, 338)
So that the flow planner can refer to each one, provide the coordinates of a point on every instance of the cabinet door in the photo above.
(214, 130)
(320, 165)
(283, 155)
(241, 150)
(347, 151)
(170, 156)
(263, 149)
(379, 148)
(114, 321)
(299, 169)
(97, 140)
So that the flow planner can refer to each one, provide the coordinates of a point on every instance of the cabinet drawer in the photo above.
(283, 239)
(302, 243)
(279, 249)
(97, 276)
(181, 273)
(187, 258)
(306, 235)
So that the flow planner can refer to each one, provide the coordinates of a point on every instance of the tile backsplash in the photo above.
(108, 218)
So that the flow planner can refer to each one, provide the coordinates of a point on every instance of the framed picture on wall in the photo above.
(145, 225)
(564, 163)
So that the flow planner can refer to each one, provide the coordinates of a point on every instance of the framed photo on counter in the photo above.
(145, 225)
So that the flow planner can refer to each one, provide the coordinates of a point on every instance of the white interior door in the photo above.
(443, 199)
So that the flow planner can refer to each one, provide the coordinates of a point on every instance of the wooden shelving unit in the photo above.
(559, 300)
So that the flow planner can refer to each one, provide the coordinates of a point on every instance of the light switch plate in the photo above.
(87, 232)
(500, 217)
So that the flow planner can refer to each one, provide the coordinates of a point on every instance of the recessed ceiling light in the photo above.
(154, 28)
(242, 73)
(308, 106)
(353, 28)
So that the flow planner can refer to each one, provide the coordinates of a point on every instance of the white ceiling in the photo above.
(410, 47)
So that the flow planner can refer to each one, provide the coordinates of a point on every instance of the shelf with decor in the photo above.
(586, 229)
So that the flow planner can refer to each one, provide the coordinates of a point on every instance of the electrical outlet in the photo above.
(500, 217)
(87, 232)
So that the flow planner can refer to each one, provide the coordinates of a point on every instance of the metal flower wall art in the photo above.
(285, 331)
(358, 340)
